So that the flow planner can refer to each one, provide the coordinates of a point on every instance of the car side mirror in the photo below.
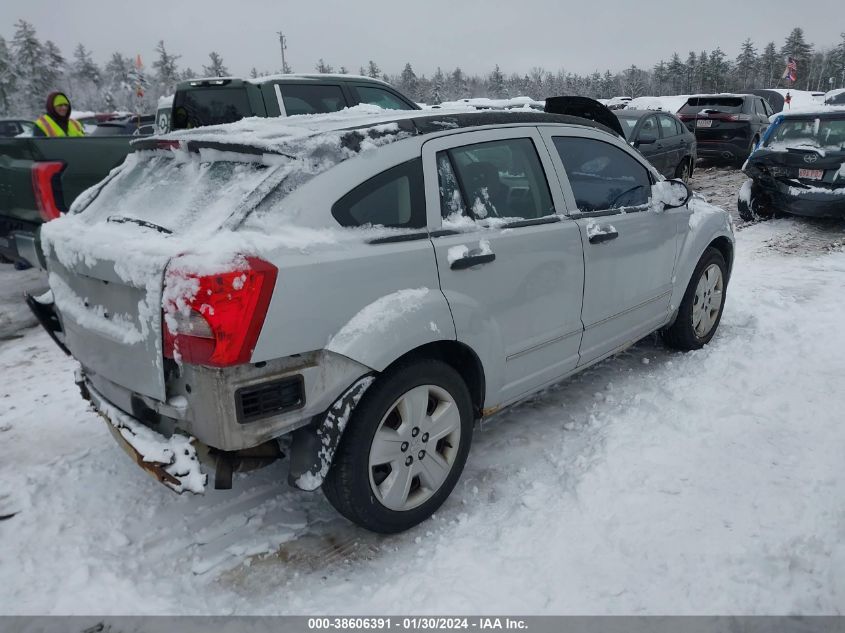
(645, 140)
(671, 193)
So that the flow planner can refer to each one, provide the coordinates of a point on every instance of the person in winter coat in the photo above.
(56, 123)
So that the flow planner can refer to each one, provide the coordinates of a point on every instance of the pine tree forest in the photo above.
(30, 69)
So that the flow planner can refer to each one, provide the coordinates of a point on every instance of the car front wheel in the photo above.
(404, 448)
(701, 308)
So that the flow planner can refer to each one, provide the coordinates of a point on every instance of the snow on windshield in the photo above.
(814, 133)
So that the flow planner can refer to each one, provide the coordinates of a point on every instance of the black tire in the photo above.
(684, 170)
(755, 208)
(347, 485)
(681, 334)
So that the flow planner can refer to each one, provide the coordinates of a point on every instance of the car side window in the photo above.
(503, 179)
(394, 198)
(649, 129)
(767, 108)
(758, 106)
(602, 176)
(380, 97)
(667, 126)
(679, 127)
(312, 99)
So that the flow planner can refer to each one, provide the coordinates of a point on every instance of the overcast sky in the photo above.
(474, 34)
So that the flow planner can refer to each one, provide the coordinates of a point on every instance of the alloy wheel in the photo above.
(414, 447)
(708, 300)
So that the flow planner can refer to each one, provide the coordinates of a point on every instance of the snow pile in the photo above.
(670, 103)
(715, 475)
(484, 103)
(175, 454)
(745, 191)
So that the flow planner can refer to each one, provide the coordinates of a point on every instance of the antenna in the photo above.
(283, 44)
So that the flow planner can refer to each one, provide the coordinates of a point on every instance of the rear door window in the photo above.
(649, 129)
(601, 175)
(209, 106)
(311, 99)
(667, 126)
(380, 97)
(394, 198)
(503, 179)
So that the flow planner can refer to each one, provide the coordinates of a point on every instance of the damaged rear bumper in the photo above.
(173, 460)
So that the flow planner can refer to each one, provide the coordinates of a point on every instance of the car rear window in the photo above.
(176, 194)
(209, 106)
(729, 105)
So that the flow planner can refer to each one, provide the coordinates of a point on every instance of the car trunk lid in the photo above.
(107, 264)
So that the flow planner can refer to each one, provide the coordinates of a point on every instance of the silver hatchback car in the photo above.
(355, 290)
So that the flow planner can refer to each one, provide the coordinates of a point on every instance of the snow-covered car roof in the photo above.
(667, 103)
(804, 111)
(358, 127)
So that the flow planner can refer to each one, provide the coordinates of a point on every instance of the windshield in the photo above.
(628, 125)
(176, 193)
(209, 106)
(728, 105)
(815, 133)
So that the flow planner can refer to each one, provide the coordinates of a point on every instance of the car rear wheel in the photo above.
(404, 449)
(701, 308)
(684, 170)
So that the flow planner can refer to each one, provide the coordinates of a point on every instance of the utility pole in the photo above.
(283, 44)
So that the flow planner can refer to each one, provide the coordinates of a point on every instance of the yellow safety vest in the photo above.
(47, 125)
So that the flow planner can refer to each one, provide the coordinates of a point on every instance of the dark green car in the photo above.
(40, 177)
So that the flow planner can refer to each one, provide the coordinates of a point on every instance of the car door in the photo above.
(672, 145)
(629, 250)
(762, 116)
(510, 261)
(650, 144)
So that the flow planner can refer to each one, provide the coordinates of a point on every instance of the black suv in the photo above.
(726, 126)
(217, 100)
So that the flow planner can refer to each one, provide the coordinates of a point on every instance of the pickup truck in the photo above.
(40, 177)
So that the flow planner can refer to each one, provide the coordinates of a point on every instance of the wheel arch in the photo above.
(726, 248)
(461, 358)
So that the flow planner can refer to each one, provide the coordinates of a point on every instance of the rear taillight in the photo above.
(731, 117)
(686, 117)
(217, 318)
(167, 145)
(43, 188)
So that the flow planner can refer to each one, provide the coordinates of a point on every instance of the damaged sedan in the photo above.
(354, 291)
(799, 167)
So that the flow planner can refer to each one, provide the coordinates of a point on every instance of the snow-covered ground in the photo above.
(656, 482)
